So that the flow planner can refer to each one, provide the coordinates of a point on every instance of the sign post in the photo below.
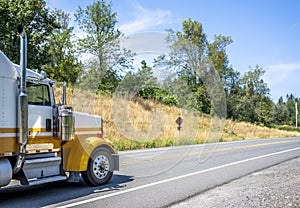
(296, 106)
(179, 121)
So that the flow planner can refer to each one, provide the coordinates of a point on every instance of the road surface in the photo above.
(160, 177)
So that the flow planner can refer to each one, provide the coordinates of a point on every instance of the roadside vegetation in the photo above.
(139, 114)
(202, 84)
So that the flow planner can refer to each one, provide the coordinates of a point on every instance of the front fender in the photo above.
(76, 153)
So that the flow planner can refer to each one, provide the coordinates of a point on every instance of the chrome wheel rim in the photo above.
(101, 166)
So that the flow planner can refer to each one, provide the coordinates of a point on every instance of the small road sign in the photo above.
(179, 121)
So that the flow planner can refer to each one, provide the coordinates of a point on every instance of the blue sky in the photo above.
(264, 32)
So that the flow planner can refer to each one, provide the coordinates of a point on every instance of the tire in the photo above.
(100, 168)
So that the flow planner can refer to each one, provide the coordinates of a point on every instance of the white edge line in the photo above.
(173, 179)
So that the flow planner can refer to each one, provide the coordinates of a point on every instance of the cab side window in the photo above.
(38, 94)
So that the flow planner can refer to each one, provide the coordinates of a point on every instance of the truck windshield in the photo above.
(38, 94)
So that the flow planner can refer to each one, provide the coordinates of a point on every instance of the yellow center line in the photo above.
(204, 152)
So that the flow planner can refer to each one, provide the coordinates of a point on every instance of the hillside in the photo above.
(146, 124)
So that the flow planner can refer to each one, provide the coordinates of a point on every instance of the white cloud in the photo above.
(282, 79)
(145, 19)
(145, 42)
(280, 73)
(286, 67)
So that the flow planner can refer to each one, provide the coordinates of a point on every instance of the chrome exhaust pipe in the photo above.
(23, 56)
(23, 102)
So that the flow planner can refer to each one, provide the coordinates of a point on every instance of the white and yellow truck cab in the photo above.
(42, 141)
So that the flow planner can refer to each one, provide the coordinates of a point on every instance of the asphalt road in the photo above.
(160, 177)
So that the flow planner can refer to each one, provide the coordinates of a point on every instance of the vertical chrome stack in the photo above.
(23, 101)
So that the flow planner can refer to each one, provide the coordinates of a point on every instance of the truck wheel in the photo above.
(100, 168)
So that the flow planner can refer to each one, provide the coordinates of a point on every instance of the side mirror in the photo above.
(64, 94)
(44, 75)
(63, 100)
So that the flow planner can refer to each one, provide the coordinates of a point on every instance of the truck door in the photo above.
(40, 115)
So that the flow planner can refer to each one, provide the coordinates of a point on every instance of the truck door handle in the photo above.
(48, 124)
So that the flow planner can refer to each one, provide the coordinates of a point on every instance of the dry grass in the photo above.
(145, 124)
(241, 130)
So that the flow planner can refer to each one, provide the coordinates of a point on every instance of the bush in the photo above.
(158, 94)
(286, 128)
(169, 100)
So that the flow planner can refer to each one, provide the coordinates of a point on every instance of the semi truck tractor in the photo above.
(43, 140)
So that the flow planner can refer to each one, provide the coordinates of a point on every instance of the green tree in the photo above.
(143, 84)
(137, 84)
(290, 105)
(64, 64)
(147, 82)
(38, 22)
(229, 77)
(281, 113)
(219, 59)
(285, 112)
(254, 104)
(101, 43)
(197, 85)
(188, 52)
(233, 94)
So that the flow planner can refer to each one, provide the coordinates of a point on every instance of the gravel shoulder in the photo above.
(277, 186)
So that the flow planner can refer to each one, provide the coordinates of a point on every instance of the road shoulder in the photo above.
(277, 186)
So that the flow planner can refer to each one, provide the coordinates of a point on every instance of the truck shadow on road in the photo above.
(57, 192)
